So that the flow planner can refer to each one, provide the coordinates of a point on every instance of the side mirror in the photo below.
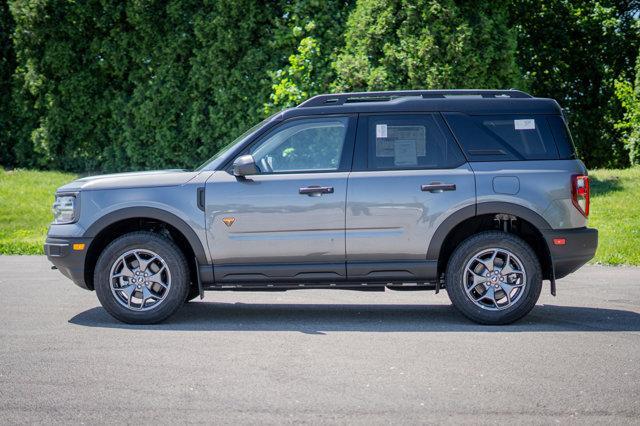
(244, 165)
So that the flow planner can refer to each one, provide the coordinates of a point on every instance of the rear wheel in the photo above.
(141, 278)
(494, 278)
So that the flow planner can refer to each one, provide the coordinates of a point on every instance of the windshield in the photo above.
(231, 144)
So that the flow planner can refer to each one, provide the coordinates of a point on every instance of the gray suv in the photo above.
(478, 192)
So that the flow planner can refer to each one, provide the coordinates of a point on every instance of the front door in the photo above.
(285, 223)
(409, 175)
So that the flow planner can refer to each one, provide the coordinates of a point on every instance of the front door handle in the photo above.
(438, 187)
(314, 190)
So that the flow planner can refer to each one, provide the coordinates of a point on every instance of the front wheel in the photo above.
(494, 278)
(141, 278)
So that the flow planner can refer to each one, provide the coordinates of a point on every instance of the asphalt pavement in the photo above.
(318, 356)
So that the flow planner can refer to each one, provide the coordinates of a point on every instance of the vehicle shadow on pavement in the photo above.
(323, 318)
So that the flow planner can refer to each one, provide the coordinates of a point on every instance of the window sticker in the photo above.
(528, 124)
(381, 131)
(405, 153)
(385, 147)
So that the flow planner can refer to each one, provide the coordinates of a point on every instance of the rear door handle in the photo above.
(314, 190)
(438, 187)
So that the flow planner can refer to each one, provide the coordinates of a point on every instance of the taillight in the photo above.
(580, 193)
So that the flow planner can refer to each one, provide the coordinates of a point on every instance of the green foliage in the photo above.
(615, 212)
(313, 30)
(25, 209)
(629, 96)
(573, 51)
(7, 69)
(143, 84)
(422, 44)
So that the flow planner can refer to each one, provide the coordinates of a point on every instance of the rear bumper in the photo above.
(70, 262)
(580, 247)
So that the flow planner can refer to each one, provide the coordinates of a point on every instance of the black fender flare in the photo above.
(490, 207)
(155, 214)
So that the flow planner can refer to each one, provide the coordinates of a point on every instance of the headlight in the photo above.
(64, 209)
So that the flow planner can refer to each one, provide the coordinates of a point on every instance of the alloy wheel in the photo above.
(140, 280)
(494, 279)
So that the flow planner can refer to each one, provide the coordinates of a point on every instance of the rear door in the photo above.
(409, 175)
(287, 222)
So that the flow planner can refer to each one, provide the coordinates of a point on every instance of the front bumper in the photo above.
(580, 247)
(70, 262)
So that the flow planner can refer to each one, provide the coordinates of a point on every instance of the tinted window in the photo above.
(302, 145)
(561, 134)
(410, 142)
(503, 137)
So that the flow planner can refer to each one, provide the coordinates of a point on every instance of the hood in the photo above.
(131, 180)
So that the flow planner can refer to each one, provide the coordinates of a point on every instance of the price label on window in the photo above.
(381, 131)
(528, 124)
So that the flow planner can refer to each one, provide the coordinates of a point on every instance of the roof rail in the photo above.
(342, 98)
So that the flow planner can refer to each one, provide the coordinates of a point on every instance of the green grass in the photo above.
(615, 212)
(25, 209)
(26, 198)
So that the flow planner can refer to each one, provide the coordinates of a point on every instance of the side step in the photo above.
(380, 287)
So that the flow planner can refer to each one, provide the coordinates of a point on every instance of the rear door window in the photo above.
(410, 142)
(503, 137)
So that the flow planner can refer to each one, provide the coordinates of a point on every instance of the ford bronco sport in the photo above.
(478, 192)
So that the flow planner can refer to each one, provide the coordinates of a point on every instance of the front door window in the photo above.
(307, 145)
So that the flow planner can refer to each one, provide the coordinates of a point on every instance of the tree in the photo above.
(423, 44)
(7, 69)
(629, 96)
(573, 51)
(109, 86)
(310, 31)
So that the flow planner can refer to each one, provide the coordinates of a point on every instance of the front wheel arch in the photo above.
(120, 224)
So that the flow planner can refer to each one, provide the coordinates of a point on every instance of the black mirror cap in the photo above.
(244, 165)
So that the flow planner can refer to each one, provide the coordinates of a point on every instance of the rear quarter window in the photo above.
(503, 137)
(564, 142)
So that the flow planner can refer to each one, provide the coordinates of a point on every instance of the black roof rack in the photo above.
(342, 98)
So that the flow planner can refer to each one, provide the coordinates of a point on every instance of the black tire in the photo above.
(456, 268)
(174, 261)
(192, 293)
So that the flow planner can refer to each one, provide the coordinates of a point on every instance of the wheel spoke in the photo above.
(143, 264)
(489, 264)
(125, 272)
(489, 294)
(508, 270)
(506, 288)
(157, 278)
(478, 279)
(146, 294)
(129, 291)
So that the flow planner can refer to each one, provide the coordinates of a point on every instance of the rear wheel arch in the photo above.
(482, 217)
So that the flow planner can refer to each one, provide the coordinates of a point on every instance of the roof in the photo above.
(465, 101)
